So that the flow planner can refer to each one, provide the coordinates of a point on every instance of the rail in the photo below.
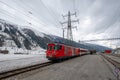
(116, 65)
(116, 55)
(7, 74)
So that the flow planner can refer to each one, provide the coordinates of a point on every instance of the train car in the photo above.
(92, 51)
(83, 51)
(57, 51)
(108, 51)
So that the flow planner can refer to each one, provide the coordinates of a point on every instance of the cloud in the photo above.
(98, 18)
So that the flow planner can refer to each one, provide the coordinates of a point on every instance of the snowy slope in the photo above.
(19, 39)
(16, 39)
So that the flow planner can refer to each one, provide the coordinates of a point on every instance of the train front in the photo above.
(53, 51)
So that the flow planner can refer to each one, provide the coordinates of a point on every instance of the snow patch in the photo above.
(10, 62)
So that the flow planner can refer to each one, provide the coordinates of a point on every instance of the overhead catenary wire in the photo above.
(4, 13)
(107, 26)
(29, 26)
(50, 12)
(30, 7)
(22, 13)
(34, 9)
(74, 7)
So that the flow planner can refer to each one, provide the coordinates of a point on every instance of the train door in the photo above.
(72, 51)
(66, 50)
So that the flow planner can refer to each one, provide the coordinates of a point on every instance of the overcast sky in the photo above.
(97, 18)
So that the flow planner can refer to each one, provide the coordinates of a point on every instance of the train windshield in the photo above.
(57, 47)
(49, 47)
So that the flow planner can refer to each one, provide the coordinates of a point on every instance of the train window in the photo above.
(57, 47)
(50, 48)
(60, 47)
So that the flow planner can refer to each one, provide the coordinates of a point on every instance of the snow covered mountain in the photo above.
(13, 36)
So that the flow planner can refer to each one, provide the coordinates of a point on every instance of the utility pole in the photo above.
(69, 27)
(63, 32)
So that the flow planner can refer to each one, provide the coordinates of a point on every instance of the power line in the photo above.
(15, 18)
(108, 39)
(50, 12)
(33, 10)
(74, 5)
(4, 13)
(20, 12)
(38, 8)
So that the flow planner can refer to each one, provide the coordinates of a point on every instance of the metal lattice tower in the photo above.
(69, 26)
(69, 29)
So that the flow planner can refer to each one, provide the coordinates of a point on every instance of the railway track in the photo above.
(116, 64)
(116, 55)
(7, 74)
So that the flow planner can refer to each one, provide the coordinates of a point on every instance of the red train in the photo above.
(57, 51)
(108, 51)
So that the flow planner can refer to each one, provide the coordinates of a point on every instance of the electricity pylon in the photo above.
(69, 26)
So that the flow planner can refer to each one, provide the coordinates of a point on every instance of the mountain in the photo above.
(13, 36)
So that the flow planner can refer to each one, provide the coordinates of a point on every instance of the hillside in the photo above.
(23, 40)
(15, 37)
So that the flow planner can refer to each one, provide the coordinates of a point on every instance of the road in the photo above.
(88, 67)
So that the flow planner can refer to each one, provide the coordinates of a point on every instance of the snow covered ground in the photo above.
(9, 62)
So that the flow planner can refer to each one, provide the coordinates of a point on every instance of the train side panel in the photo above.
(60, 52)
(83, 51)
(77, 51)
(68, 51)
